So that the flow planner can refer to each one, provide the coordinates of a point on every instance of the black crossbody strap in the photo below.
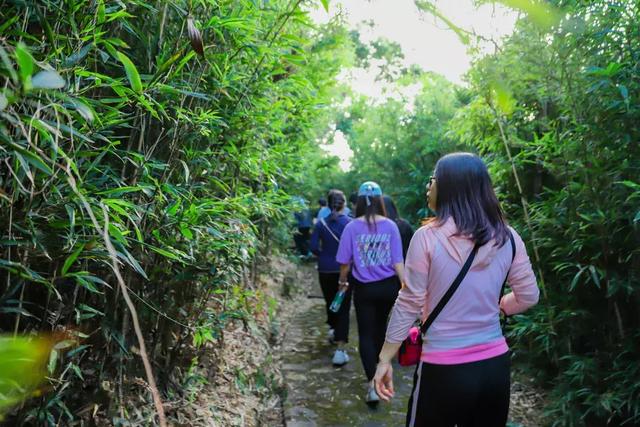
(513, 256)
(452, 289)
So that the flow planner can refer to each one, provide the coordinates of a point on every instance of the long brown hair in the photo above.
(371, 209)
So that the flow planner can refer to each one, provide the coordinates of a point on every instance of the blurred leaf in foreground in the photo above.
(502, 97)
(541, 13)
(22, 368)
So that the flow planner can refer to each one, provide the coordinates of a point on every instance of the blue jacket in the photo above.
(325, 246)
(303, 219)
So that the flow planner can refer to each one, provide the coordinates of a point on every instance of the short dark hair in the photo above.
(371, 209)
(465, 194)
(353, 198)
(322, 201)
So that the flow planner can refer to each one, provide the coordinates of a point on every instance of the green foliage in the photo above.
(396, 143)
(105, 109)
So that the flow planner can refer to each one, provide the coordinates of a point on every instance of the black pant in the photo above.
(339, 321)
(302, 240)
(373, 302)
(472, 394)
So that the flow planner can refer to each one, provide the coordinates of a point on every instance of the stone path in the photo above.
(320, 395)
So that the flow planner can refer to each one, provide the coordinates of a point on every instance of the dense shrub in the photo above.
(171, 130)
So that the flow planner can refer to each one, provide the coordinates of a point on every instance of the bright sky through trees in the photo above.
(425, 41)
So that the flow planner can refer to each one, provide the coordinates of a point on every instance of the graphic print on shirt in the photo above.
(374, 249)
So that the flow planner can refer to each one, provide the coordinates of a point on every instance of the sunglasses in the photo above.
(430, 183)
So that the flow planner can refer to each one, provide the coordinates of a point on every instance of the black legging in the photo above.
(339, 321)
(373, 302)
(472, 394)
(301, 238)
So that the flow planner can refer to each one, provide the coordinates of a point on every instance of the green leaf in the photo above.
(132, 72)
(325, 4)
(8, 65)
(47, 80)
(76, 370)
(630, 184)
(540, 13)
(53, 360)
(595, 276)
(100, 12)
(91, 312)
(25, 64)
(624, 91)
(74, 58)
(83, 109)
(71, 259)
(3, 101)
(165, 253)
(186, 232)
(32, 158)
(503, 98)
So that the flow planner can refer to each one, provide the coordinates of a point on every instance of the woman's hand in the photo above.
(383, 381)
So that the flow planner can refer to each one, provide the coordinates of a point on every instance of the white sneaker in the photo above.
(372, 396)
(340, 357)
(331, 336)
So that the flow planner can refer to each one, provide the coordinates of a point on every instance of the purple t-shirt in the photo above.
(371, 250)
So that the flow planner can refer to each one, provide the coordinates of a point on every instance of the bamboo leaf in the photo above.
(78, 56)
(53, 361)
(32, 158)
(132, 72)
(8, 65)
(100, 12)
(325, 4)
(71, 259)
(165, 253)
(47, 80)
(25, 65)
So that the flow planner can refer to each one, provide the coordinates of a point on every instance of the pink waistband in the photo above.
(466, 354)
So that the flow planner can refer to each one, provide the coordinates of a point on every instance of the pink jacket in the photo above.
(468, 328)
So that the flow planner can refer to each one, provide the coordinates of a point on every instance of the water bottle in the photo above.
(337, 301)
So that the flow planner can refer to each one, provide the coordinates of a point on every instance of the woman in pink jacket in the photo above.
(463, 377)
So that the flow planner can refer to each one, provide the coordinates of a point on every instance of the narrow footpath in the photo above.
(318, 394)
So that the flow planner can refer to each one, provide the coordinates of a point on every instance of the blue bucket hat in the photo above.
(369, 189)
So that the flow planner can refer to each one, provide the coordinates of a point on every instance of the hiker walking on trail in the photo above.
(303, 225)
(324, 243)
(455, 272)
(371, 248)
(406, 230)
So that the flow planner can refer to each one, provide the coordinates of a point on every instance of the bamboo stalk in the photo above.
(525, 207)
(523, 201)
(125, 294)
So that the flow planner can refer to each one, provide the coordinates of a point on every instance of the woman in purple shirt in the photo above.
(370, 246)
(324, 244)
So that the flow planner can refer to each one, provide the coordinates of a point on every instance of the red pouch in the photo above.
(411, 348)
